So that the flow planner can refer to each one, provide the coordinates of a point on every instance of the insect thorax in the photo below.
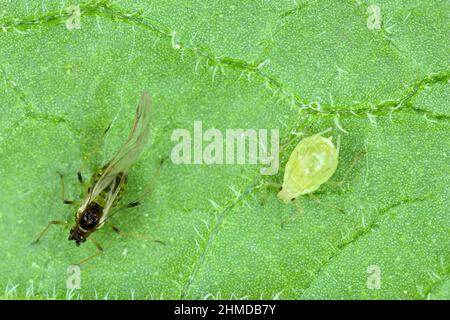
(91, 216)
(87, 223)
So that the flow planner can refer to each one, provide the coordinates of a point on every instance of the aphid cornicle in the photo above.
(107, 186)
(313, 161)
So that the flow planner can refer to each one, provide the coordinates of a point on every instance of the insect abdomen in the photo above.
(312, 163)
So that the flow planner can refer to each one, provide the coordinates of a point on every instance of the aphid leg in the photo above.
(292, 217)
(56, 222)
(80, 178)
(268, 185)
(136, 202)
(358, 156)
(273, 184)
(107, 129)
(62, 190)
(315, 199)
(132, 204)
(134, 235)
(162, 160)
(99, 251)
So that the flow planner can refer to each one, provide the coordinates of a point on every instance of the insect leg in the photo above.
(315, 199)
(134, 235)
(57, 222)
(62, 190)
(147, 189)
(132, 204)
(273, 184)
(99, 251)
(80, 178)
(292, 217)
(358, 156)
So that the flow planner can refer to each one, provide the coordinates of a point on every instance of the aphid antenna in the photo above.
(288, 143)
(325, 131)
(338, 143)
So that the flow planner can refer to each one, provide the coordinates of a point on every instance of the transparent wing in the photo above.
(114, 176)
(136, 140)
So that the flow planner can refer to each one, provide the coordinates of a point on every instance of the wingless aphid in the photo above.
(313, 161)
(108, 185)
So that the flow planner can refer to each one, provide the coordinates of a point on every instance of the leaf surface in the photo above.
(301, 68)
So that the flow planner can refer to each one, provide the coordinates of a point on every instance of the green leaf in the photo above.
(301, 67)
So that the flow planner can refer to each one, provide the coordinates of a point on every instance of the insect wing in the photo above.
(115, 174)
(136, 140)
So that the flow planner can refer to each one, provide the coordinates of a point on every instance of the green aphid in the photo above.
(312, 163)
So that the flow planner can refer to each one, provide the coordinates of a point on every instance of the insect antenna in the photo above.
(95, 149)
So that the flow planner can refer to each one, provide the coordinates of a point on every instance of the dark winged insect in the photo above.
(108, 185)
